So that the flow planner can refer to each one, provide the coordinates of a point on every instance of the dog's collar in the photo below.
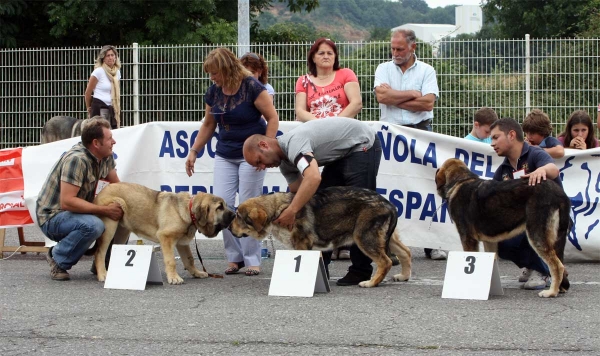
(191, 212)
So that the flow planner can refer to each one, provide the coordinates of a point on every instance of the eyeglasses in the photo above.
(251, 55)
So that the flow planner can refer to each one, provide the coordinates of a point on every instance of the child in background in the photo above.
(483, 118)
(537, 129)
(579, 133)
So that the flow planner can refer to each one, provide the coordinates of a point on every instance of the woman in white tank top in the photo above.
(105, 86)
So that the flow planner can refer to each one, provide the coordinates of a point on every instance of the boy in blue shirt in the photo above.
(537, 129)
(483, 119)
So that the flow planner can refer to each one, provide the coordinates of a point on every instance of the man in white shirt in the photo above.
(406, 90)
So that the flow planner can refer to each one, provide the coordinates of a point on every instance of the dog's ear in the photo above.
(259, 219)
(440, 178)
(200, 210)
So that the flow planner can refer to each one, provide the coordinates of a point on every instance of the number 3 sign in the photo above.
(131, 267)
(298, 274)
(471, 275)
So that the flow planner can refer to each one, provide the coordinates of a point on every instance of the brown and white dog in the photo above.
(493, 211)
(170, 219)
(334, 217)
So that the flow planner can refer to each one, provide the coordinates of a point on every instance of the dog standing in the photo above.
(170, 219)
(334, 217)
(60, 128)
(492, 211)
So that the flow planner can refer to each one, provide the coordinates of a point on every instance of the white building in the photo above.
(469, 19)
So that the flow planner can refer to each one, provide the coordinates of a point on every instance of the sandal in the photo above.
(252, 272)
(232, 270)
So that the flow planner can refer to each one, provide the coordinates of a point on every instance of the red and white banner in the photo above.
(13, 211)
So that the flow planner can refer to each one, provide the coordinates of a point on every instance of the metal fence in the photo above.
(167, 83)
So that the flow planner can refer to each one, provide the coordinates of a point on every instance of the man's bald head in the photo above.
(260, 151)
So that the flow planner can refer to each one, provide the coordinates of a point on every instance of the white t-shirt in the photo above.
(103, 88)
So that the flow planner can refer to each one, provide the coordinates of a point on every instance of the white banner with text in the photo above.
(154, 155)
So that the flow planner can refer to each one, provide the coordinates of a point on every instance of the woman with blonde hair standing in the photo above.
(104, 84)
(236, 103)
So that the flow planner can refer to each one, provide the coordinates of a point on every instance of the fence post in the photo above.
(527, 75)
(243, 27)
(136, 85)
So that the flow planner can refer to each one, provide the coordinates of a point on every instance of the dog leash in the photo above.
(436, 210)
(212, 275)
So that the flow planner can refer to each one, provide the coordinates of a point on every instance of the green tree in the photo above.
(9, 10)
(121, 22)
(539, 18)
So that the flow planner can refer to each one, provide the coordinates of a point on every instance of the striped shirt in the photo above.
(79, 167)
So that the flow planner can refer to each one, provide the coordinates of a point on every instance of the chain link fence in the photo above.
(167, 83)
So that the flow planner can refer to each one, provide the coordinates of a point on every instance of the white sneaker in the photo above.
(438, 255)
(525, 274)
(536, 281)
(344, 255)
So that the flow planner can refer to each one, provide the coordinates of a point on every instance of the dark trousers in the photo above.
(426, 126)
(522, 254)
(99, 108)
(358, 169)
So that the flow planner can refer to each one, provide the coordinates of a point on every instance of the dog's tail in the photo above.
(92, 250)
(565, 284)
(564, 226)
(391, 228)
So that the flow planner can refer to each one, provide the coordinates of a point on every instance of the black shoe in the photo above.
(352, 279)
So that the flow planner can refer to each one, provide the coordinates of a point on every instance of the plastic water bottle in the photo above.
(264, 249)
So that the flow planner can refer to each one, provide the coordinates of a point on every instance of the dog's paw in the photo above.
(401, 277)
(175, 280)
(101, 277)
(199, 274)
(366, 284)
(547, 294)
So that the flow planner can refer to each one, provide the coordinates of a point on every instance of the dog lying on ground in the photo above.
(334, 217)
(170, 219)
(60, 128)
(492, 211)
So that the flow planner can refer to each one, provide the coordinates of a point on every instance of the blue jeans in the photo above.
(522, 254)
(358, 169)
(74, 234)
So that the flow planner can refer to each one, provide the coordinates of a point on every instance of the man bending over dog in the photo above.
(522, 159)
(64, 207)
(350, 152)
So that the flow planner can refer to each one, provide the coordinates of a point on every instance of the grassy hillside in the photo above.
(356, 20)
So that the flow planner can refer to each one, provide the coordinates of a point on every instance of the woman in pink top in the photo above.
(579, 133)
(327, 90)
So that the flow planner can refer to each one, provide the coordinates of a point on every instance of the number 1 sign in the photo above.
(298, 274)
(471, 275)
(131, 267)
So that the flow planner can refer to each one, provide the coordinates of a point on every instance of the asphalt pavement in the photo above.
(235, 315)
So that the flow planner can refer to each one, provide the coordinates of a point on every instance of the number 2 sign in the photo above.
(131, 267)
(471, 275)
(298, 274)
